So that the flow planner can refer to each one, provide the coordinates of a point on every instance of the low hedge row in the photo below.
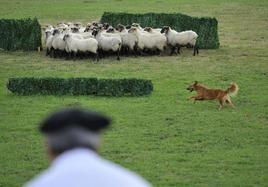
(20, 34)
(79, 86)
(205, 27)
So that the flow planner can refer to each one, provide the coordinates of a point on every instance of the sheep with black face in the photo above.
(85, 46)
(58, 45)
(149, 41)
(180, 39)
(108, 43)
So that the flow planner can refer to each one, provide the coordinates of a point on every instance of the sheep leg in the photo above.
(179, 50)
(118, 54)
(51, 52)
(172, 50)
(142, 53)
(127, 51)
(74, 56)
(65, 53)
(83, 55)
(67, 56)
(96, 57)
(135, 50)
(70, 55)
(55, 54)
(47, 52)
(80, 55)
(158, 51)
(86, 54)
(60, 53)
(194, 50)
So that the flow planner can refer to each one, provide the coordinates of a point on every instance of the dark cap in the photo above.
(74, 117)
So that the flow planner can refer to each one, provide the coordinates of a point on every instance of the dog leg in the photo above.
(193, 97)
(221, 104)
(230, 103)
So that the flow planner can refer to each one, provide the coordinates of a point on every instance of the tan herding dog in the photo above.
(205, 93)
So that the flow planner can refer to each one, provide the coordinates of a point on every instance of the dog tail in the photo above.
(232, 90)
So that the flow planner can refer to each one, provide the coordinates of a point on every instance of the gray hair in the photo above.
(72, 137)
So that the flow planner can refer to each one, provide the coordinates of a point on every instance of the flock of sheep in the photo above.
(72, 40)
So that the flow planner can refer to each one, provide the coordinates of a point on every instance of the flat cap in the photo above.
(74, 117)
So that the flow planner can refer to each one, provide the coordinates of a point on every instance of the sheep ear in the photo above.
(195, 82)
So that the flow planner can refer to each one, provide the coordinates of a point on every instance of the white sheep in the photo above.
(149, 41)
(180, 39)
(48, 41)
(108, 43)
(75, 45)
(58, 44)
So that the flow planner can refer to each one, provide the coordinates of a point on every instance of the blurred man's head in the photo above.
(73, 128)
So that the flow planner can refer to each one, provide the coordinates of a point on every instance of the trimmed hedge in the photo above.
(206, 28)
(20, 34)
(79, 86)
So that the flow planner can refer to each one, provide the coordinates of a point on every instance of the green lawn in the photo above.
(165, 138)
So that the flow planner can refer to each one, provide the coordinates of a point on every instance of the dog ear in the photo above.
(195, 82)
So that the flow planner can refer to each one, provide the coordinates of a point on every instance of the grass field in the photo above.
(165, 138)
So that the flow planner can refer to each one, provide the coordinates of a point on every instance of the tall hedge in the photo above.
(79, 86)
(206, 28)
(20, 34)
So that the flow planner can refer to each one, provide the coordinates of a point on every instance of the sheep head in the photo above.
(132, 30)
(75, 29)
(56, 31)
(65, 37)
(120, 27)
(95, 31)
(148, 29)
(111, 30)
(106, 25)
(135, 25)
(77, 24)
(165, 29)
(48, 33)
(87, 29)
(95, 23)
